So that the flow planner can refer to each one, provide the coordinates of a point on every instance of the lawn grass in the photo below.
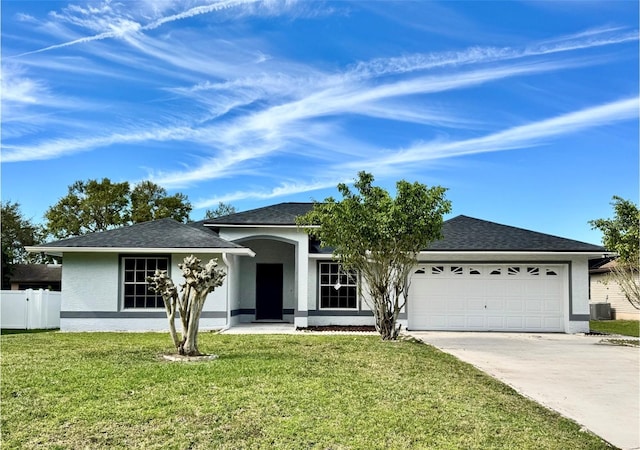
(623, 327)
(112, 390)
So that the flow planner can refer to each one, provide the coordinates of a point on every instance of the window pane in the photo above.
(135, 290)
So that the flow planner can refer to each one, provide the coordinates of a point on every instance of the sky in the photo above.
(526, 111)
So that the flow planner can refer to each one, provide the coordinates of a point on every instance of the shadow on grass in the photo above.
(40, 330)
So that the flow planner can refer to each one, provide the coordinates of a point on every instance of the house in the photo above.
(35, 276)
(480, 276)
(604, 290)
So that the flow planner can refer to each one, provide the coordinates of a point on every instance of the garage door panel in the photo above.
(514, 297)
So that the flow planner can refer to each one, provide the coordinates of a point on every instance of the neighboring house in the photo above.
(481, 276)
(35, 276)
(602, 289)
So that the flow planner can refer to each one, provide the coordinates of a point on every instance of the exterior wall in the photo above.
(92, 301)
(320, 317)
(267, 252)
(610, 292)
(262, 240)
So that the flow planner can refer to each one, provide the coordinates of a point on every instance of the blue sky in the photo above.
(527, 111)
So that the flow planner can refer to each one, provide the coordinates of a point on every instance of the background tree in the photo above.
(622, 235)
(199, 282)
(380, 238)
(93, 205)
(89, 206)
(17, 232)
(151, 202)
(223, 209)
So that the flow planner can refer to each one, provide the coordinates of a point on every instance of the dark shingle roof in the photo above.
(45, 273)
(463, 233)
(280, 214)
(163, 233)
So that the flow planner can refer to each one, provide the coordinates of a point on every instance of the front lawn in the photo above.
(110, 390)
(623, 327)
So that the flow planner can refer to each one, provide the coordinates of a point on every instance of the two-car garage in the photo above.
(488, 297)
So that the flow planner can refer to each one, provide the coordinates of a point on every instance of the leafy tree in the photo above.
(223, 209)
(90, 206)
(151, 202)
(380, 238)
(17, 232)
(199, 282)
(93, 205)
(622, 235)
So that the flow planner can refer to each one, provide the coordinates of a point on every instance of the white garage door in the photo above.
(482, 297)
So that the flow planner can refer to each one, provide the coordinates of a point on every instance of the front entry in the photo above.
(269, 283)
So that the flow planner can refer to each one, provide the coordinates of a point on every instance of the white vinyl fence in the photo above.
(29, 309)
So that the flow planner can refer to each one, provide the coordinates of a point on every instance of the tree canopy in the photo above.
(17, 232)
(93, 205)
(223, 209)
(621, 234)
(380, 237)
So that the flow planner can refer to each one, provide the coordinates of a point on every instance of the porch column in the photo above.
(302, 279)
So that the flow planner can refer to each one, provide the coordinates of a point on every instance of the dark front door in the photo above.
(269, 292)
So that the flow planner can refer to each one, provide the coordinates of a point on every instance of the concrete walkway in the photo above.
(596, 385)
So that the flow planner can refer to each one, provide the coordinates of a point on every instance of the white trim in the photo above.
(61, 250)
(229, 225)
(518, 252)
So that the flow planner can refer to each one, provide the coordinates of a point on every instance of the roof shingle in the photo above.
(162, 233)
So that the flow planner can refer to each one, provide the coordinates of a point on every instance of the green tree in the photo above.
(17, 232)
(151, 202)
(380, 238)
(89, 206)
(621, 234)
(223, 209)
(93, 205)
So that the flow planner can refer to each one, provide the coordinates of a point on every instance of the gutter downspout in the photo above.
(225, 259)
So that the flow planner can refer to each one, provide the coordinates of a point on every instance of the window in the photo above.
(135, 270)
(338, 288)
(514, 270)
(473, 271)
(457, 270)
(535, 271)
(437, 270)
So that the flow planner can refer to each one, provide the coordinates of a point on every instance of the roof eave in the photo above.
(589, 253)
(58, 251)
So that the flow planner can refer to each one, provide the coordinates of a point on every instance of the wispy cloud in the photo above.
(523, 136)
(121, 27)
(286, 189)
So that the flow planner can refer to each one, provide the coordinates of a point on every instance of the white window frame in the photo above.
(350, 282)
(125, 281)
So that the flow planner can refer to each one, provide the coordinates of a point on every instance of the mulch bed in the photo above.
(349, 328)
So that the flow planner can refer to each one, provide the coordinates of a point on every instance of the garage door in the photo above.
(481, 297)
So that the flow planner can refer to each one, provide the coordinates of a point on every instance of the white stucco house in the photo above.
(480, 276)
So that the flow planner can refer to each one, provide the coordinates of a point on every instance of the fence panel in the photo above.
(29, 309)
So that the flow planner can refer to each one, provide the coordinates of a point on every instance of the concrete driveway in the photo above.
(594, 384)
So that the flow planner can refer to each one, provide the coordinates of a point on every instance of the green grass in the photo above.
(103, 390)
(623, 327)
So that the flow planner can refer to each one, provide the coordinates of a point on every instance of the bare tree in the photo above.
(199, 282)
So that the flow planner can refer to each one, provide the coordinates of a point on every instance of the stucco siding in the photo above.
(90, 282)
(91, 299)
(609, 292)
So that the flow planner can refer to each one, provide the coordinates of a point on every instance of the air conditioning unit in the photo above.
(600, 311)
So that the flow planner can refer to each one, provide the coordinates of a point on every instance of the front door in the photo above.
(269, 291)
